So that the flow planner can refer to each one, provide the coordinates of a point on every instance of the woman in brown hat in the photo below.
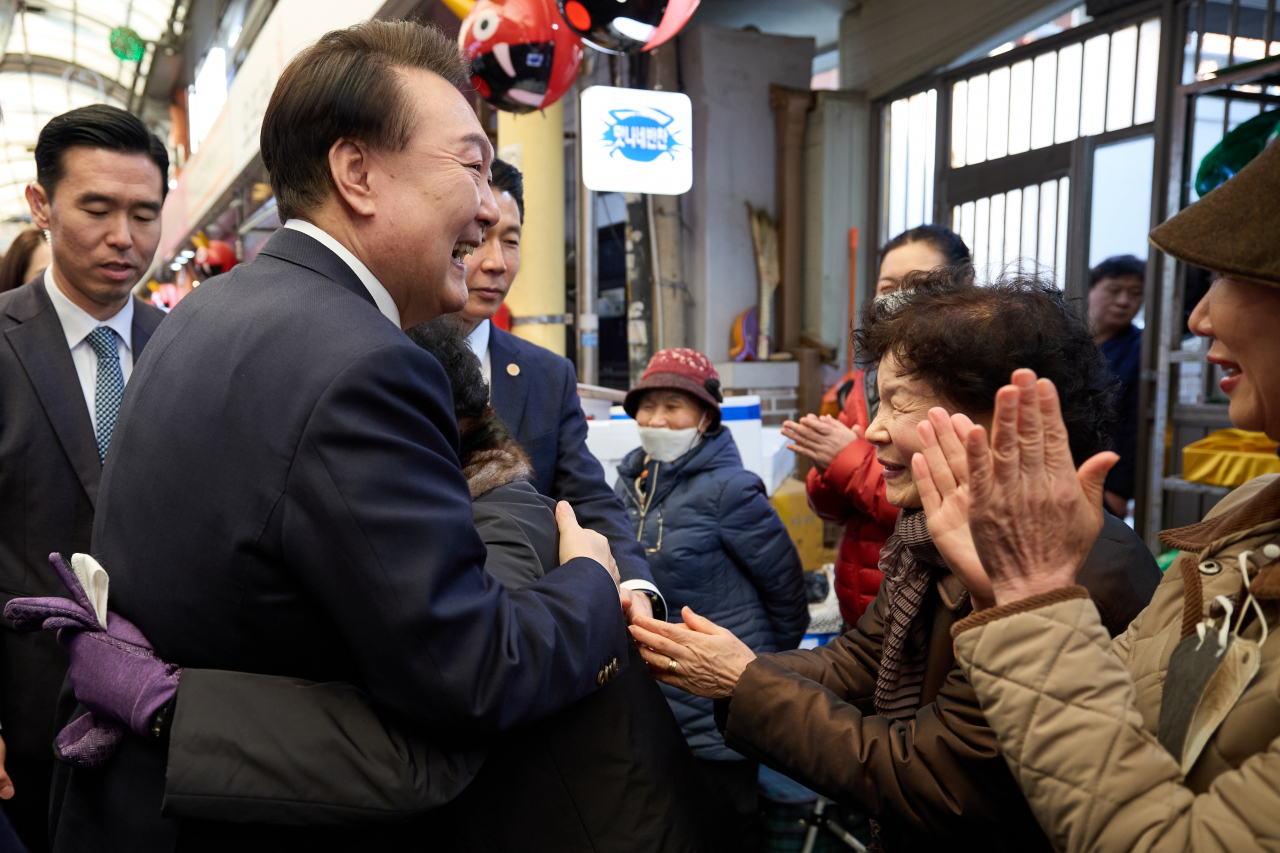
(1168, 737)
(714, 544)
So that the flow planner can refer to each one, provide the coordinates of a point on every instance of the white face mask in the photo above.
(668, 445)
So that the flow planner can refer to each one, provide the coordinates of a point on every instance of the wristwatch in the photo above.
(658, 603)
(655, 598)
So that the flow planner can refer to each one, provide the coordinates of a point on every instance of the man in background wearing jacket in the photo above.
(69, 340)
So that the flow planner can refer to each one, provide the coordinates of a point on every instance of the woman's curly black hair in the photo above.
(965, 340)
(479, 426)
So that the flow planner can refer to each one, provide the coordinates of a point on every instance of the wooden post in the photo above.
(640, 286)
(789, 109)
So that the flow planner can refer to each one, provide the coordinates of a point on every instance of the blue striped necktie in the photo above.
(110, 384)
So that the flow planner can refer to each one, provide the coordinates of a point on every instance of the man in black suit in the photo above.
(293, 503)
(535, 393)
(69, 340)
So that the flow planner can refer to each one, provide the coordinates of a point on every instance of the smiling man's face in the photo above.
(432, 200)
(104, 225)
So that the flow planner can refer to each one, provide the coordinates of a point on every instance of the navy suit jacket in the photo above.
(283, 496)
(541, 407)
(49, 475)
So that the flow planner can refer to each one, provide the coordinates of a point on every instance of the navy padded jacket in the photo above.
(716, 545)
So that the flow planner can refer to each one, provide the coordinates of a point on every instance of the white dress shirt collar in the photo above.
(381, 297)
(78, 323)
(478, 340)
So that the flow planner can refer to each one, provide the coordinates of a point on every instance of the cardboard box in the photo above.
(792, 504)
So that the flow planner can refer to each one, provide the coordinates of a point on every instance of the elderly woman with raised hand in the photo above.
(882, 718)
(1167, 738)
(844, 484)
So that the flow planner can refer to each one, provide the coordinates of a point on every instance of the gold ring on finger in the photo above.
(671, 667)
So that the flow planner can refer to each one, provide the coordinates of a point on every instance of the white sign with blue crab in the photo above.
(636, 141)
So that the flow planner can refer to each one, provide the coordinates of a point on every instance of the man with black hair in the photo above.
(69, 339)
(535, 391)
(1115, 296)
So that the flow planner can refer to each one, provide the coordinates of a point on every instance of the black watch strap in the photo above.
(659, 606)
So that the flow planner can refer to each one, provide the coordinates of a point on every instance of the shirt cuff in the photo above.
(645, 586)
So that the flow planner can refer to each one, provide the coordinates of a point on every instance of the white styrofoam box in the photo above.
(611, 440)
(741, 415)
(595, 410)
(778, 461)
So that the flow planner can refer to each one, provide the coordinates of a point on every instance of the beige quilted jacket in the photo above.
(1076, 713)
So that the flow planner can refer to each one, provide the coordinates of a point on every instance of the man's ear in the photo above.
(349, 163)
(39, 203)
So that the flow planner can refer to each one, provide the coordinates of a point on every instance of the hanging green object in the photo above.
(1236, 149)
(127, 44)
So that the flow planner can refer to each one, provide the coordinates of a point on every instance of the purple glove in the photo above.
(116, 673)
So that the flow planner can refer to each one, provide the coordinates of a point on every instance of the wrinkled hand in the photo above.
(6, 784)
(709, 659)
(1033, 516)
(577, 541)
(822, 439)
(941, 472)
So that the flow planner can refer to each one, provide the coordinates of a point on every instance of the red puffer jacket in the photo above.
(851, 492)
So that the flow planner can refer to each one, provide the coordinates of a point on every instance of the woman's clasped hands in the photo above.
(1013, 517)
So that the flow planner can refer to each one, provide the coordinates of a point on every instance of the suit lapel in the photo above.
(145, 322)
(509, 394)
(41, 346)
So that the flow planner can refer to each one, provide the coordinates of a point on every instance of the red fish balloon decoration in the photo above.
(216, 258)
(523, 56)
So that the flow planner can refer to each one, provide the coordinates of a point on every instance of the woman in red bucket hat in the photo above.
(714, 544)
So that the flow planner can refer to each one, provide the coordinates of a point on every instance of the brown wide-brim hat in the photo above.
(1235, 229)
(684, 370)
(667, 381)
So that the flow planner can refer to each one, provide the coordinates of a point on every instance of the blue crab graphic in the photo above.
(640, 135)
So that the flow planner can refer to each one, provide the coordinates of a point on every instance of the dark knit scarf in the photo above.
(910, 562)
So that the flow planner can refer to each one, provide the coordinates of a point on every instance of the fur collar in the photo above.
(487, 469)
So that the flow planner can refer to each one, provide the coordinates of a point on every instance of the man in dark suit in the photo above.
(293, 503)
(68, 342)
(535, 393)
